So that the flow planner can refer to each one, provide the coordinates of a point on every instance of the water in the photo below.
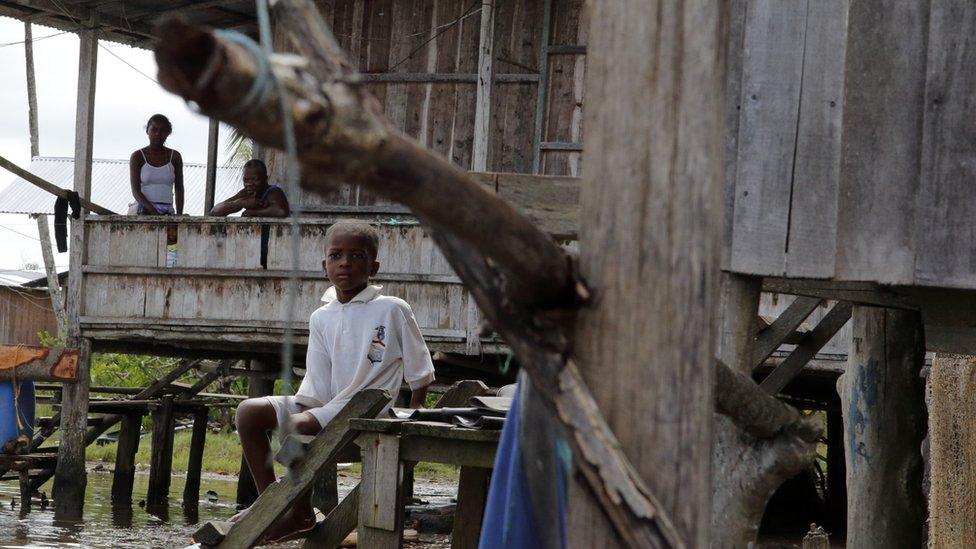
(105, 525)
(134, 526)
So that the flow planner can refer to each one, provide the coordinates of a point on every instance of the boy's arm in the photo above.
(418, 397)
(418, 368)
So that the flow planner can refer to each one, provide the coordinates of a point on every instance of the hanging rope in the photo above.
(291, 187)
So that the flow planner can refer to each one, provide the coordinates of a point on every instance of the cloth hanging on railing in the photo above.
(61, 218)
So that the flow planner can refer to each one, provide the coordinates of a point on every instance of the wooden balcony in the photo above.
(220, 298)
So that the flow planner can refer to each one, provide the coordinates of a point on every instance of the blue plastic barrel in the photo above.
(16, 404)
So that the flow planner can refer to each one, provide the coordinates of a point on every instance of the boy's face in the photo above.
(348, 261)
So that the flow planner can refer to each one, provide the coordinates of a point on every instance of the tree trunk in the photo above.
(884, 424)
(952, 447)
(649, 245)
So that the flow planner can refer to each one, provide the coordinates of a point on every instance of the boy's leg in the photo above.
(301, 516)
(255, 417)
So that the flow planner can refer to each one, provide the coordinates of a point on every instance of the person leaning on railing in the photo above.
(156, 173)
(257, 198)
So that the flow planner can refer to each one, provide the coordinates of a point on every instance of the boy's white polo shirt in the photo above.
(371, 342)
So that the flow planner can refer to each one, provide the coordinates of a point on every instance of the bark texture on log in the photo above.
(952, 457)
(653, 171)
(882, 397)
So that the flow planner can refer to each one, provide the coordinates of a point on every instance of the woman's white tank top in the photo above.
(157, 182)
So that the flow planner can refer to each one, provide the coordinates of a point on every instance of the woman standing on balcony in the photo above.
(156, 173)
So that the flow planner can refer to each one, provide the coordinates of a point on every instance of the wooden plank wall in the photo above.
(23, 313)
(388, 38)
(850, 147)
(784, 135)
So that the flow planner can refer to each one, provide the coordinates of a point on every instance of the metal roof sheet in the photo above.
(110, 185)
(18, 277)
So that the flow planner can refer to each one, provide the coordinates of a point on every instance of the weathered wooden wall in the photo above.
(849, 147)
(420, 58)
(219, 295)
(23, 313)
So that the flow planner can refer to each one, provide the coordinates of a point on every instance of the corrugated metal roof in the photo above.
(18, 277)
(110, 185)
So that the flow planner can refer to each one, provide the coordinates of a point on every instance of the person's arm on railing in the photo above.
(233, 204)
(276, 205)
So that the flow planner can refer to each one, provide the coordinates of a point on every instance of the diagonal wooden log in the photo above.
(772, 337)
(808, 347)
(342, 136)
(30, 363)
(278, 498)
(338, 524)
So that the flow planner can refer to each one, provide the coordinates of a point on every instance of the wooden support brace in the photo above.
(278, 498)
(772, 337)
(125, 459)
(191, 491)
(813, 342)
(380, 504)
(337, 524)
(161, 462)
(472, 494)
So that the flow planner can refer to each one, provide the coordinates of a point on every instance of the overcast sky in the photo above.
(124, 99)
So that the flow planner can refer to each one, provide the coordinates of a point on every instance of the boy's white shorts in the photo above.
(287, 405)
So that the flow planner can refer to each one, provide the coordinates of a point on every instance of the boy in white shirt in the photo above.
(359, 339)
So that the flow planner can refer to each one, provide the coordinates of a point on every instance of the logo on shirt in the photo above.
(376, 347)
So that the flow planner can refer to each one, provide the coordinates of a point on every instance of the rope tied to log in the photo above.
(263, 78)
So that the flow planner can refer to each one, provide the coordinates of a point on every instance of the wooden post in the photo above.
(884, 424)
(53, 284)
(161, 461)
(836, 473)
(125, 458)
(31, 91)
(211, 185)
(191, 491)
(257, 386)
(735, 518)
(472, 491)
(380, 506)
(482, 112)
(70, 477)
(542, 94)
(650, 199)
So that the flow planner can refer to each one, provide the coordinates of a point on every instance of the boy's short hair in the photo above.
(359, 228)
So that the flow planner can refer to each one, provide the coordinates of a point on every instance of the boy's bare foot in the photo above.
(240, 514)
(289, 525)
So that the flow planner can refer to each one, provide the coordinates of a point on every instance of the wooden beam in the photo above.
(813, 342)
(70, 477)
(53, 284)
(54, 189)
(560, 146)
(783, 327)
(211, 182)
(883, 402)
(543, 91)
(125, 458)
(653, 315)
(31, 91)
(460, 393)
(191, 490)
(436, 78)
(161, 461)
(337, 524)
(486, 73)
(277, 499)
(472, 492)
(380, 505)
(30, 363)
(567, 49)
